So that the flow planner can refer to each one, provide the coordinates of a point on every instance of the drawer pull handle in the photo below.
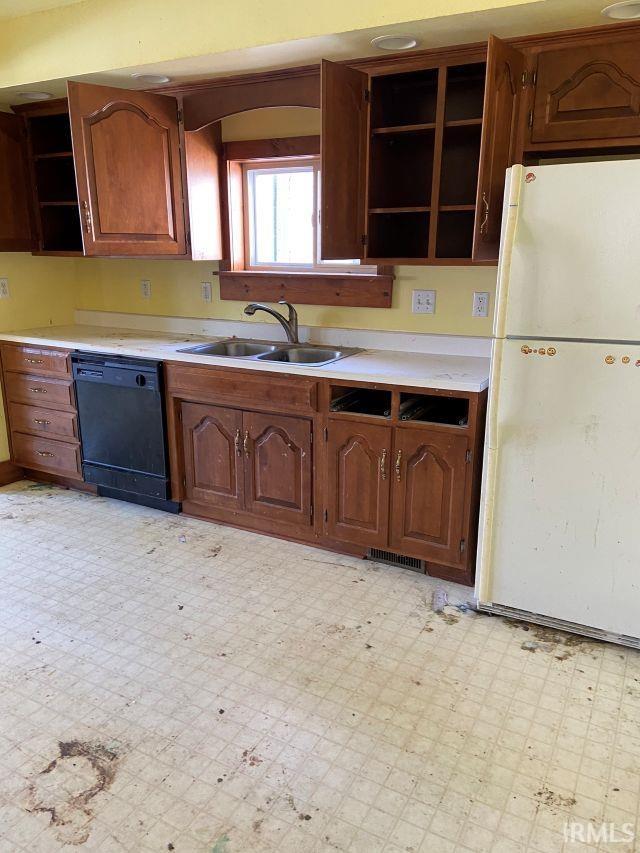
(246, 443)
(34, 360)
(383, 464)
(41, 422)
(38, 390)
(45, 453)
(398, 468)
(237, 442)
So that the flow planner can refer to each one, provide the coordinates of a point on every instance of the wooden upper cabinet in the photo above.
(505, 67)
(211, 438)
(343, 160)
(278, 466)
(15, 226)
(126, 150)
(587, 92)
(358, 477)
(428, 495)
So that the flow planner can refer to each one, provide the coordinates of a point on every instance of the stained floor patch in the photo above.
(66, 787)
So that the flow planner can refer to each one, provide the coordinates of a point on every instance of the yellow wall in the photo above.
(101, 35)
(42, 292)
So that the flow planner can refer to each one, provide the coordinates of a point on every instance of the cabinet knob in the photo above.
(383, 464)
(398, 466)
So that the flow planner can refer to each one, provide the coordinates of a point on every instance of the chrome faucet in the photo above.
(290, 324)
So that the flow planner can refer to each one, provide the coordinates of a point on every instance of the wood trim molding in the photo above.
(10, 473)
(267, 149)
(355, 291)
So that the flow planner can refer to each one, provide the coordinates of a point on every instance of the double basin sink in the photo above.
(307, 354)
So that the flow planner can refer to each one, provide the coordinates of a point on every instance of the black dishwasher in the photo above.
(122, 428)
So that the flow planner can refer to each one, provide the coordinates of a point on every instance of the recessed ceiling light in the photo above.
(35, 96)
(151, 79)
(626, 11)
(395, 42)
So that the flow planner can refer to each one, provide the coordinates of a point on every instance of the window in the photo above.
(281, 217)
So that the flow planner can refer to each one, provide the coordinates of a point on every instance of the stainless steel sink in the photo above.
(307, 355)
(304, 354)
(235, 348)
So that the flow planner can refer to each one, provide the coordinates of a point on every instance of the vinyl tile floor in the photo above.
(172, 685)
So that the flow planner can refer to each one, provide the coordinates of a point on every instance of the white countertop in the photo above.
(420, 370)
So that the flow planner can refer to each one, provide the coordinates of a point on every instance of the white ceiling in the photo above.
(534, 17)
(17, 8)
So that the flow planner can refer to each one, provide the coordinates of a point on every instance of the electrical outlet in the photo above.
(480, 304)
(206, 291)
(423, 302)
(4, 288)
(145, 288)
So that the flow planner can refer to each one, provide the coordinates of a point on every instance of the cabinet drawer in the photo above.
(39, 390)
(243, 388)
(46, 421)
(44, 362)
(46, 454)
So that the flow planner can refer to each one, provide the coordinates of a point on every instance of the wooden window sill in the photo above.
(309, 288)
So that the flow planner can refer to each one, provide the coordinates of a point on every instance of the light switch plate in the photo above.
(423, 302)
(480, 304)
(4, 288)
(206, 291)
(145, 288)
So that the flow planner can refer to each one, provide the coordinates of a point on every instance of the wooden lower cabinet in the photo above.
(249, 462)
(428, 495)
(358, 460)
(213, 470)
(277, 466)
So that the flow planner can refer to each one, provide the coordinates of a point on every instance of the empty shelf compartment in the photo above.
(404, 99)
(361, 401)
(434, 409)
(465, 92)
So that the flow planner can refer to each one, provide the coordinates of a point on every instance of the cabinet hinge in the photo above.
(184, 482)
(463, 545)
(326, 515)
(326, 433)
(529, 78)
(530, 119)
(180, 415)
(468, 455)
(311, 512)
(179, 116)
(367, 95)
(364, 240)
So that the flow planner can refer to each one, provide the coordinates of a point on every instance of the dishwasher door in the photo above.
(122, 427)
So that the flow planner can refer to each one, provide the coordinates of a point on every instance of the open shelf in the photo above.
(434, 409)
(464, 97)
(454, 237)
(404, 99)
(399, 209)
(398, 235)
(56, 180)
(360, 401)
(50, 134)
(403, 128)
(459, 171)
(61, 228)
(401, 170)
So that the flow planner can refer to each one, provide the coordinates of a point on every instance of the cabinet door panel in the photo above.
(358, 458)
(427, 511)
(277, 460)
(15, 226)
(505, 66)
(587, 92)
(213, 464)
(343, 160)
(127, 156)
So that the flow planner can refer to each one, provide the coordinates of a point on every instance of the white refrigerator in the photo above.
(560, 513)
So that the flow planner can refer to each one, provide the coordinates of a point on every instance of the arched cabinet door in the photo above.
(587, 92)
(429, 471)
(358, 476)
(126, 150)
(213, 470)
(277, 464)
